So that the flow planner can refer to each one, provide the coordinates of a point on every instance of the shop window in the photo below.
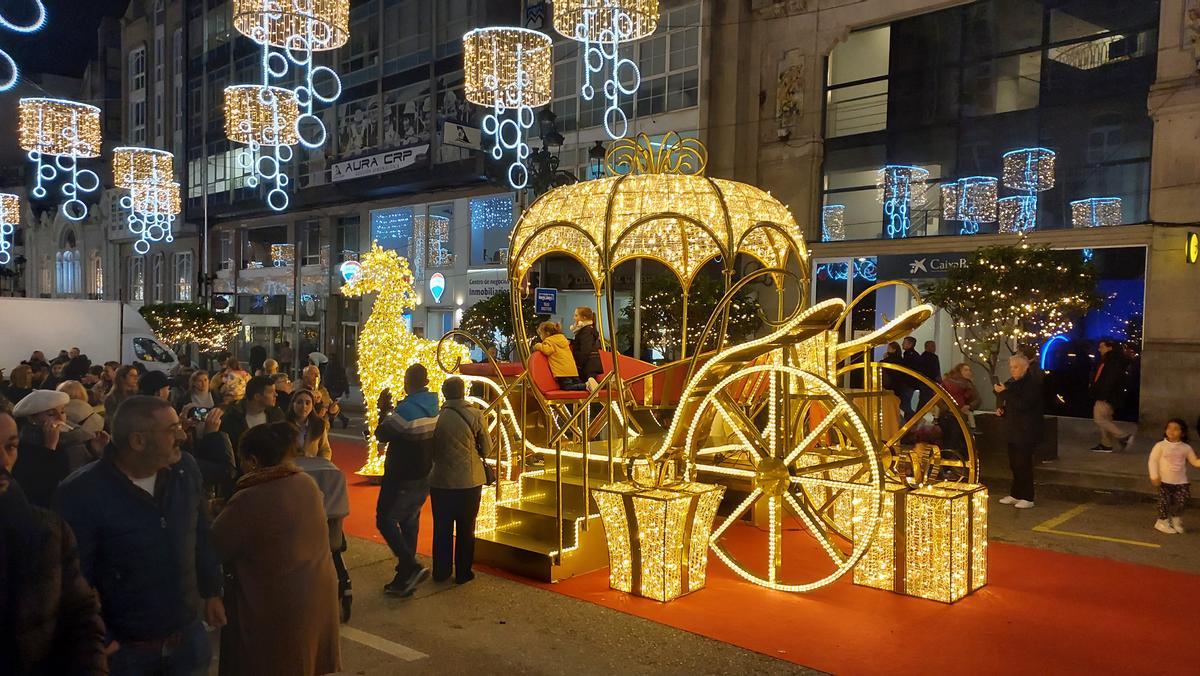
(491, 226)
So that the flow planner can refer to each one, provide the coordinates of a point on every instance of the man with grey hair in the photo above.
(140, 516)
(1019, 404)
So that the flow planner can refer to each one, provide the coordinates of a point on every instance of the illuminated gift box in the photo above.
(931, 542)
(658, 536)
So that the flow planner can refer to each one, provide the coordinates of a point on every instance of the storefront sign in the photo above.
(437, 286)
(919, 266)
(1193, 247)
(483, 284)
(392, 160)
(462, 136)
(545, 301)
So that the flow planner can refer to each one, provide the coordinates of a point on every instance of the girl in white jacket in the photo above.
(1168, 471)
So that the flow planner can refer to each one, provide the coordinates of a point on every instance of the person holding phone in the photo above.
(211, 448)
(198, 393)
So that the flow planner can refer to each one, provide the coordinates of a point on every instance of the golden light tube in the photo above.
(142, 166)
(319, 25)
(59, 127)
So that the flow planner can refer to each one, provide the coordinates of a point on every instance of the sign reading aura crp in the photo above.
(382, 163)
(919, 266)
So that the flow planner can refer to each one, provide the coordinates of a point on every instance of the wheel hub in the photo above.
(773, 477)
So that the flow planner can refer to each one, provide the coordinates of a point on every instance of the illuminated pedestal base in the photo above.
(931, 542)
(658, 537)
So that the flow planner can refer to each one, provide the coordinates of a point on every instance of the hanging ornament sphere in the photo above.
(507, 67)
(59, 127)
(605, 20)
(319, 25)
(141, 166)
(1029, 169)
(261, 114)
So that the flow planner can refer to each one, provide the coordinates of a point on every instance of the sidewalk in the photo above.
(1080, 470)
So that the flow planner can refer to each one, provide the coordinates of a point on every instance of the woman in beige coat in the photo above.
(272, 536)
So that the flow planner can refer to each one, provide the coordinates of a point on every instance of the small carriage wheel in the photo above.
(789, 452)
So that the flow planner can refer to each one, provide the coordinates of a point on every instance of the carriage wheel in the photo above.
(786, 433)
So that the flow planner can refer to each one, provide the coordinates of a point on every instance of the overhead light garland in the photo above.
(36, 24)
(10, 218)
(508, 68)
(289, 34)
(154, 198)
(66, 131)
(833, 222)
(899, 187)
(601, 26)
(1096, 212)
(1030, 171)
(971, 200)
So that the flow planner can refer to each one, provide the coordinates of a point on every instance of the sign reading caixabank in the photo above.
(919, 266)
(382, 163)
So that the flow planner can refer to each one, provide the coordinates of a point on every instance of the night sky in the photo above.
(68, 40)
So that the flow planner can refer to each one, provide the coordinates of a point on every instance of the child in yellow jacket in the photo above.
(557, 349)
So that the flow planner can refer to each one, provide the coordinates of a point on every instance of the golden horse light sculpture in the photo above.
(386, 348)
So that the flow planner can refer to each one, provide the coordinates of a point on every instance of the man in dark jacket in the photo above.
(49, 616)
(1020, 409)
(931, 368)
(256, 408)
(906, 385)
(408, 432)
(1106, 389)
(141, 518)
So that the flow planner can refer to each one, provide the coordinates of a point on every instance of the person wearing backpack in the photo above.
(456, 483)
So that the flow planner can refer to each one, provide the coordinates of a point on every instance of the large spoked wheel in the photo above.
(908, 455)
(784, 435)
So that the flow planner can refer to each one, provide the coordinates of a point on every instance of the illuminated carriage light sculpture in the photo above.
(34, 25)
(154, 199)
(899, 188)
(508, 68)
(262, 117)
(1029, 171)
(971, 200)
(1096, 212)
(601, 27)
(289, 33)
(10, 219)
(65, 132)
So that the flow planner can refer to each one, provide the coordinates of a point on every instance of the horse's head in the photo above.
(380, 271)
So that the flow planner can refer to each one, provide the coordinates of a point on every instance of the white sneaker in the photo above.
(1008, 500)
(1129, 440)
(1177, 524)
(1163, 526)
(1023, 504)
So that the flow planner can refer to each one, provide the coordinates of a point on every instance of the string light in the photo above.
(141, 166)
(508, 68)
(258, 116)
(1096, 212)
(10, 218)
(898, 188)
(602, 26)
(66, 131)
(386, 348)
(183, 323)
(833, 222)
(971, 200)
(1030, 171)
(154, 199)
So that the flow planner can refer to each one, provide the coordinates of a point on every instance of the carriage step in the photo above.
(533, 556)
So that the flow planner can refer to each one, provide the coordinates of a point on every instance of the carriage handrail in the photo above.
(583, 407)
(491, 361)
(870, 290)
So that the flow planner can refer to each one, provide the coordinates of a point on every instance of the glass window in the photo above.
(137, 69)
(148, 350)
(97, 278)
(347, 242)
(393, 229)
(137, 278)
(438, 231)
(491, 226)
(158, 278)
(184, 276)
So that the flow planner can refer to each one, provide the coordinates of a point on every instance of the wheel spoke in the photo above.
(895, 440)
(821, 428)
(814, 524)
(740, 424)
(775, 546)
(736, 514)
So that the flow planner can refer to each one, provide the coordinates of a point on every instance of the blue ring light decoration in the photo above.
(152, 210)
(971, 200)
(864, 269)
(899, 187)
(34, 26)
(1050, 343)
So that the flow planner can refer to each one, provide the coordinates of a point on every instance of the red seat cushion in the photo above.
(543, 379)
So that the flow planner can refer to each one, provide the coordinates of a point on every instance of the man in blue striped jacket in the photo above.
(408, 433)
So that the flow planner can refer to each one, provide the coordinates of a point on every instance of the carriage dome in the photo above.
(659, 206)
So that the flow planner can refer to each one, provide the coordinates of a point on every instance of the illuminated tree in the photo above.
(491, 322)
(662, 313)
(1007, 296)
(182, 324)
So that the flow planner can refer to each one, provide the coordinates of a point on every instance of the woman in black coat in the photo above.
(1020, 408)
(585, 346)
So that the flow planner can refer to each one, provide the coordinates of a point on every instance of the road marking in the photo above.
(1051, 526)
(382, 644)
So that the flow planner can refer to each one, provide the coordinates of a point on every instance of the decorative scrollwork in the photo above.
(642, 155)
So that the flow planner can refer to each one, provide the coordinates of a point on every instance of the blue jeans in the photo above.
(398, 518)
(189, 658)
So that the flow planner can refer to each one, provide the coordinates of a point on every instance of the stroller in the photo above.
(332, 483)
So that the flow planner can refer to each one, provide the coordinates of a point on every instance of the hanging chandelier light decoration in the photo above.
(289, 33)
(10, 218)
(601, 27)
(67, 132)
(833, 222)
(1028, 171)
(900, 187)
(508, 68)
(154, 197)
(33, 25)
(1096, 212)
(971, 200)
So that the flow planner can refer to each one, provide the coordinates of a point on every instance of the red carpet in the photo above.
(1043, 612)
